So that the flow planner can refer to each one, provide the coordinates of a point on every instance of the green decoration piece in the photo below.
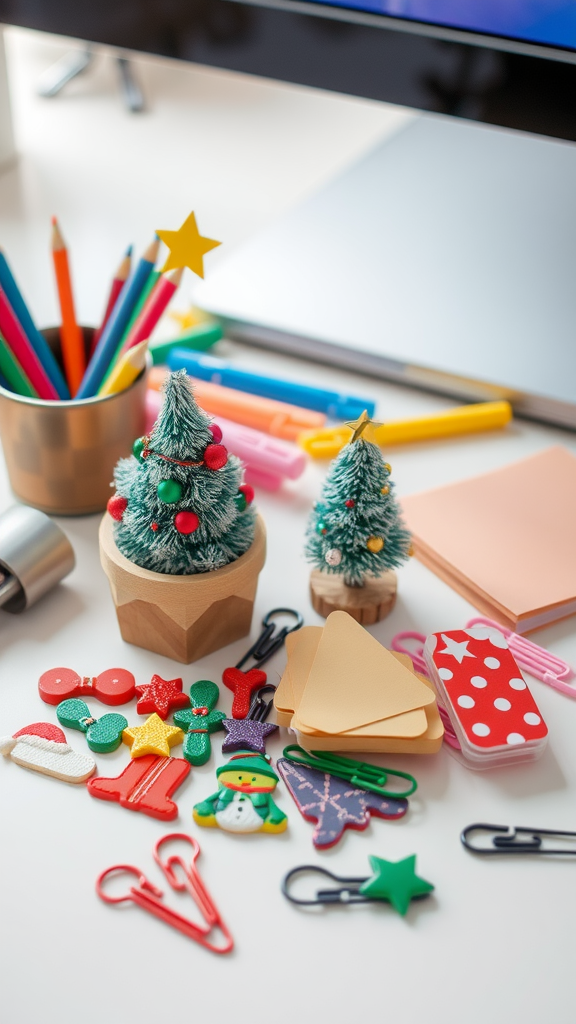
(102, 734)
(138, 448)
(169, 491)
(199, 720)
(356, 528)
(199, 338)
(147, 534)
(243, 802)
(395, 881)
(240, 501)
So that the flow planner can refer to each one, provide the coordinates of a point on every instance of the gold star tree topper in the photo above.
(187, 247)
(363, 428)
(154, 737)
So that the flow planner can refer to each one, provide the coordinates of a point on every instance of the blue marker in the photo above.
(22, 314)
(111, 336)
(338, 407)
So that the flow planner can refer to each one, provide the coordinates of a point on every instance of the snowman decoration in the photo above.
(243, 802)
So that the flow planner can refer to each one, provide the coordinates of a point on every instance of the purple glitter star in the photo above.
(245, 734)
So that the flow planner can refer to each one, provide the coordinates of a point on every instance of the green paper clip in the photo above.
(366, 776)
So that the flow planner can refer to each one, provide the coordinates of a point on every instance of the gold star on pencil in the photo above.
(154, 737)
(360, 426)
(187, 247)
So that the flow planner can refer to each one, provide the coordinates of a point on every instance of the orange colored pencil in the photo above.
(73, 354)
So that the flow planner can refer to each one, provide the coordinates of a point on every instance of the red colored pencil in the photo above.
(118, 282)
(165, 287)
(23, 351)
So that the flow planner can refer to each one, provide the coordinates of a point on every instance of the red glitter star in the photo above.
(161, 696)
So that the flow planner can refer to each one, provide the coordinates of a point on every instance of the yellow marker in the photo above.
(466, 419)
(125, 372)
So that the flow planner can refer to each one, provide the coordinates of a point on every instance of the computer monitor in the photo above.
(507, 62)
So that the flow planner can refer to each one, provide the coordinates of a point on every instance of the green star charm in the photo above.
(395, 881)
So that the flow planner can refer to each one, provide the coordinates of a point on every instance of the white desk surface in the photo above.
(496, 940)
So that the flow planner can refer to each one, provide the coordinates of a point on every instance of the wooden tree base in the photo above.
(367, 604)
(182, 617)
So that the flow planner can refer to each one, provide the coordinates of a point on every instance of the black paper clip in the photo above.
(269, 641)
(260, 708)
(508, 840)
(346, 891)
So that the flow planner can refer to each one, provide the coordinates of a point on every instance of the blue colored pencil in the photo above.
(111, 336)
(38, 343)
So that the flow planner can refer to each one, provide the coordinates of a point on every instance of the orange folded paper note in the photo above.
(505, 540)
(343, 691)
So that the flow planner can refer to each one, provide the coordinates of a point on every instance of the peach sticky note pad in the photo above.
(506, 540)
(347, 692)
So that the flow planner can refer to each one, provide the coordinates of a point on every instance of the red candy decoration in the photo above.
(117, 506)
(248, 491)
(350, 503)
(186, 522)
(216, 432)
(243, 685)
(215, 456)
(114, 686)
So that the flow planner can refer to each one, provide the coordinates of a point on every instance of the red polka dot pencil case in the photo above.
(494, 715)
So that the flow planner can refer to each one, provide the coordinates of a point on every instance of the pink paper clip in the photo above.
(534, 659)
(149, 897)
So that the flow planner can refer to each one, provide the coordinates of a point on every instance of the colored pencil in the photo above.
(22, 349)
(10, 369)
(118, 282)
(112, 333)
(126, 370)
(150, 284)
(22, 314)
(71, 337)
(165, 288)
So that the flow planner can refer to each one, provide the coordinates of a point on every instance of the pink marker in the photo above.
(268, 461)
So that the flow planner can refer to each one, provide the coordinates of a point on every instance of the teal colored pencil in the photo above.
(10, 368)
(112, 334)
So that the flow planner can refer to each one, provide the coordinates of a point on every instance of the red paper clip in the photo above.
(149, 897)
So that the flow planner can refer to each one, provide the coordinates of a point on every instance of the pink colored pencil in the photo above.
(23, 351)
(118, 282)
(155, 306)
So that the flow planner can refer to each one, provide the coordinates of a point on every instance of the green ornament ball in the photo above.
(240, 501)
(321, 527)
(138, 448)
(169, 491)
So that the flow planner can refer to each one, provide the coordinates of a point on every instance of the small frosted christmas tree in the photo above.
(355, 531)
(180, 506)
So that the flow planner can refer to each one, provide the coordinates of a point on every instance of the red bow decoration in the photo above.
(114, 686)
(243, 685)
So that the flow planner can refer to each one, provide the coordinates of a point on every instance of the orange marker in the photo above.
(276, 418)
(71, 337)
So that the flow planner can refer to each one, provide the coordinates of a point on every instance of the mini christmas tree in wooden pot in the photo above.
(355, 534)
(181, 543)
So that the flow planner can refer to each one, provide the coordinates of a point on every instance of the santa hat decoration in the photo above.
(42, 747)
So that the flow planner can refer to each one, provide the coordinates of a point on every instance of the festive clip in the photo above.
(244, 683)
(160, 696)
(394, 882)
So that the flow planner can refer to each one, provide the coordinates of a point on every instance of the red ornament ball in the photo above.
(216, 432)
(248, 491)
(350, 503)
(186, 522)
(215, 456)
(117, 506)
(154, 526)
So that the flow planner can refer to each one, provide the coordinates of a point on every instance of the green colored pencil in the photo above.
(13, 372)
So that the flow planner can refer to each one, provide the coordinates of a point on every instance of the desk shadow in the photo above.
(61, 606)
(525, 781)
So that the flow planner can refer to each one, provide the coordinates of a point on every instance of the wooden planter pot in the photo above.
(182, 617)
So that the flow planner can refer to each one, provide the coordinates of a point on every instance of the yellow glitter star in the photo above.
(363, 428)
(187, 247)
(154, 737)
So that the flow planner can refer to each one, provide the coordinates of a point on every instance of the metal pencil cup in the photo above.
(60, 455)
